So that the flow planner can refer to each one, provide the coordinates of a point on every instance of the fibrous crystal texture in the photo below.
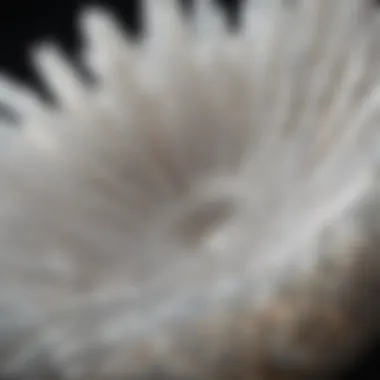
(202, 205)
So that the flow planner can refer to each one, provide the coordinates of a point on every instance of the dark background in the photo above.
(24, 23)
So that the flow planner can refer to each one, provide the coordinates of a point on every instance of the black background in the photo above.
(25, 23)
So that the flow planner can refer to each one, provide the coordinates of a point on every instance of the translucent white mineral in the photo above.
(205, 207)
